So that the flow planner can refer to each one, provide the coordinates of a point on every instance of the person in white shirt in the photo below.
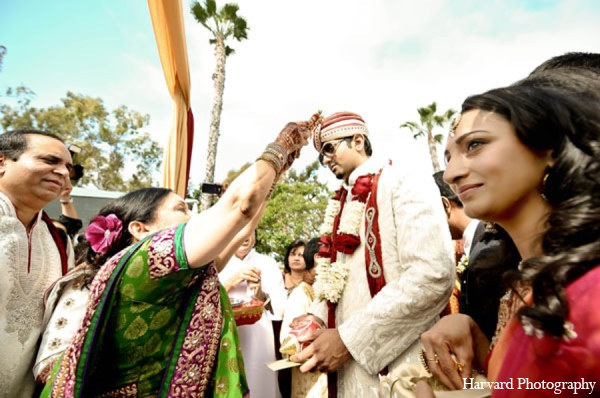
(251, 274)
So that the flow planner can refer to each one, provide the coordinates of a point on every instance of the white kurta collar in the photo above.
(370, 166)
(7, 208)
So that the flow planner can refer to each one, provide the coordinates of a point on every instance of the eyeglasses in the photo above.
(329, 148)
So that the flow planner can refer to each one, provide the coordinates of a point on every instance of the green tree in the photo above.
(223, 24)
(109, 140)
(295, 210)
(429, 120)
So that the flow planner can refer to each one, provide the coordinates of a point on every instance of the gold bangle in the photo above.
(272, 161)
(275, 155)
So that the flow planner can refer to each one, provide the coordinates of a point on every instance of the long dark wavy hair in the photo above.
(558, 110)
(139, 205)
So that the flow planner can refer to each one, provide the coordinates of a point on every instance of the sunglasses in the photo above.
(330, 148)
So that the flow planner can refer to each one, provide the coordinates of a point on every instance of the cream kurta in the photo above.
(311, 384)
(63, 314)
(418, 262)
(257, 340)
(27, 269)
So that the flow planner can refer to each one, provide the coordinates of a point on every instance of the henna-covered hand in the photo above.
(292, 138)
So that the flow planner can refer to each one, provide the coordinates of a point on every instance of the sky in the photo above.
(382, 59)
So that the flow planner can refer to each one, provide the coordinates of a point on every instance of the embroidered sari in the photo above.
(525, 355)
(153, 326)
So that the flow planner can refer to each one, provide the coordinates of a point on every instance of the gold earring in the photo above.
(544, 183)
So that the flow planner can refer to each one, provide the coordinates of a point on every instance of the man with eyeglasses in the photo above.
(386, 266)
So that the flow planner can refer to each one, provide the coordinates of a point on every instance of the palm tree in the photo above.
(223, 24)
(430, 120)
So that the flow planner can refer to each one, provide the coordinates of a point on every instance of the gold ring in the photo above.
(460, 366)
(434, 359)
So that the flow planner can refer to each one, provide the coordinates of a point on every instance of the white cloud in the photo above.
(301, 56)
(381, 59)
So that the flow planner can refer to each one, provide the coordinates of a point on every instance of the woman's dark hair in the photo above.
(312, 247)
(590, 61)
(139, 205)
(560, 112)
(292, 246)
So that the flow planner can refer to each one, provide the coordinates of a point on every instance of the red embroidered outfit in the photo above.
(524, 356)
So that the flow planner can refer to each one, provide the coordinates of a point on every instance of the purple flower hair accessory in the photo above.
(103, 232)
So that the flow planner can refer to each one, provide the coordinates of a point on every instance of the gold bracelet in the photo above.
(275, 155)
(271, 160)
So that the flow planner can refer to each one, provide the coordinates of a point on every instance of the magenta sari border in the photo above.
(194, 367)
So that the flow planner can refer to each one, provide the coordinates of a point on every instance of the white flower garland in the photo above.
(331, 278)
(462, 264)
(351, 217)
(333, 208)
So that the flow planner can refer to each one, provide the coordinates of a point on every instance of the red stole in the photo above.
(62, 250)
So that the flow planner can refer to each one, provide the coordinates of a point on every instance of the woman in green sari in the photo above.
(158, 323)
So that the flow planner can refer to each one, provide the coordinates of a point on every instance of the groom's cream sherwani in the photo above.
(419, 271)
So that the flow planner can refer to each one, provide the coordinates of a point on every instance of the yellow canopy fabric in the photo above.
(167, 21)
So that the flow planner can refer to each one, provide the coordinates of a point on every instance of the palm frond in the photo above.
(223, 23)
(240, 29)
(410, 125)
(449, 113)
(201, 15)
(211, 8)
(414, 128)
(229, 12)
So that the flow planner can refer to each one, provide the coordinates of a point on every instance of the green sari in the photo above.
(154, 326)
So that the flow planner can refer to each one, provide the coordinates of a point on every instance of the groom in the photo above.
(386, 232)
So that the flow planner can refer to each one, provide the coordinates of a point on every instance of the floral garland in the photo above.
(332, 276)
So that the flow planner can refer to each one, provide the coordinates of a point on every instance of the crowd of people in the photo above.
(480, 277)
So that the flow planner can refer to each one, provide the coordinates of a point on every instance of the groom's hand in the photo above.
(326, 353)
